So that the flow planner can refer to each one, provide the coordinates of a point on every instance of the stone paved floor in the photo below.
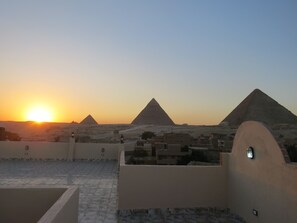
(97, 182)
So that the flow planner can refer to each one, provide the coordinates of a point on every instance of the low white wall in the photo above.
(94, 151)
(58, 150)
(65, 208)
(129, 146)
(266, 183)
(143, 186)
(36, 150)
(38, 204)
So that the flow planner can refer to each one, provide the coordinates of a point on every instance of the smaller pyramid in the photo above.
(153, 114)
(89, 120)
(258, 106)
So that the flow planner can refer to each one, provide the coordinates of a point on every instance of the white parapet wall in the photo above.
(33, 150)
(39, 204)
(97, 151)
(155, 186)
(59, 150)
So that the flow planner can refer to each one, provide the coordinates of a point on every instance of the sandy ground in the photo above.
(49, 131)
(30, 131)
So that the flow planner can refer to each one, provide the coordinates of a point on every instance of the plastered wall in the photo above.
(58, 150)
(144, 186)
(38, 204)
(96, 151)
(65, 208)
(34, 150)
(266, 183)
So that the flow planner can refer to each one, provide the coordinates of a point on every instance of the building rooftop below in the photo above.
(97, 182)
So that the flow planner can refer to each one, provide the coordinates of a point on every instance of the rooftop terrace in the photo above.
(97, 182)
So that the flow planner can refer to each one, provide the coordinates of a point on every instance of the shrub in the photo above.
(147, 135)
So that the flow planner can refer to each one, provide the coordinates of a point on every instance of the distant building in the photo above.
(170, 154)
(203, 141)
(221, 142)
(2, 134)
(182, 139)
(10, 136)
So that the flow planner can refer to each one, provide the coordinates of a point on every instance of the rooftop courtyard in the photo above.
(256, 181)
(97, 182)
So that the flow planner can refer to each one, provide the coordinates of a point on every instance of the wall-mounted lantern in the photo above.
(102, 153)
(250, 153)
(255, 212)
(26, 150)
(72, 134)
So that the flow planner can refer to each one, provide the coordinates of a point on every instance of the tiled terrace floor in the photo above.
(97, 182)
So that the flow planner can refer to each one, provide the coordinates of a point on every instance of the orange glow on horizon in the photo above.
(39, 114)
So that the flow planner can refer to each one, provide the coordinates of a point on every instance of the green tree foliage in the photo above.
(292, 152)
(140, 153)
(147, 135)
(12, 136)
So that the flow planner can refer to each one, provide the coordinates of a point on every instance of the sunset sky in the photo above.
(198, 59)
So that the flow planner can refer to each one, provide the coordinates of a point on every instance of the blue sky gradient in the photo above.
(199, 59)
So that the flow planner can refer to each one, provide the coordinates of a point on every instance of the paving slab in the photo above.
(97, 182)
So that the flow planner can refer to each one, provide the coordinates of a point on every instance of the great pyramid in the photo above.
(89, 120)
(153, 114)
(258, 106)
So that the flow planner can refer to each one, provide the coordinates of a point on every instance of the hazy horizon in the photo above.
(198, 59)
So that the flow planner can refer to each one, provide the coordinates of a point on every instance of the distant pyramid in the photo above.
(258, 106)
(89, 120)
(153, 114)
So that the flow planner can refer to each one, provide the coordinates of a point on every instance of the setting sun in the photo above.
(39, 115)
